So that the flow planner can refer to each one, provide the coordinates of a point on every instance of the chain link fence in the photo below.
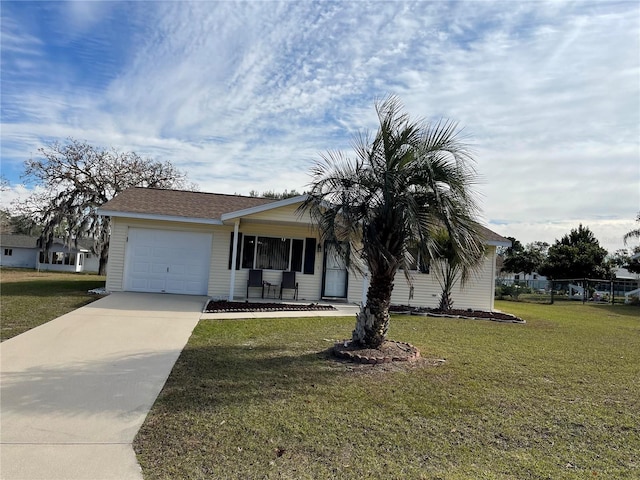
(570, 289)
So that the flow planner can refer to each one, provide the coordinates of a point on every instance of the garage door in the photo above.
(167, 261)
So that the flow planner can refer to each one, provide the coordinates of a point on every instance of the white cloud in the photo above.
(245, 95)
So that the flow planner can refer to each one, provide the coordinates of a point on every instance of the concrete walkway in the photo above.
(75, 391)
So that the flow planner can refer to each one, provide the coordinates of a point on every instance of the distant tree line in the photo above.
(276, 195)
(577, 254)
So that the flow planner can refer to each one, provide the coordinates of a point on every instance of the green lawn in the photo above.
(556, 398)
(30, 298)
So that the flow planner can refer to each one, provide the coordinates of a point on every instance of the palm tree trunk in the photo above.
(372, 323)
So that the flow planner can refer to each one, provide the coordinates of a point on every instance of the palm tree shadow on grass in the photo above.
(215, 375)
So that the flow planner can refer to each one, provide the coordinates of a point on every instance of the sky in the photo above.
(246, 96)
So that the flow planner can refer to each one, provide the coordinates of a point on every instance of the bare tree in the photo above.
(76, 178)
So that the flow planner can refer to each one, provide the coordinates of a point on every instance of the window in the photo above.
(420, 262)
(272, 253)
(58, 258)
(248, 251)
(44, 257)
(8, 252)
(516, 276)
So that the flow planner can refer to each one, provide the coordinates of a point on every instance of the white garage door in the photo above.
(167, 261)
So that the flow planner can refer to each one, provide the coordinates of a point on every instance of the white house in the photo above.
(22, 251)
(187, 242)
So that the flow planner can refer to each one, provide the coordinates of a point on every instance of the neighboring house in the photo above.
(533, 280)
(625, 281)
(187, 242)
(23, 251)
(19, 251)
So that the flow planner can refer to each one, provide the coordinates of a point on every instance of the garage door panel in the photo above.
(176, 269)
(140, 267)
(159, 268)
(167, 261)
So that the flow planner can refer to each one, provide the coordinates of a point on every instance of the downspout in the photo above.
(492, 290)
(234, 256)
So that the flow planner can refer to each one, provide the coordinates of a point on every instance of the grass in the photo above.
(556, 398)
(31, 298)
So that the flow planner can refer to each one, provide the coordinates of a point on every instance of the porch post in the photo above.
(234, 256)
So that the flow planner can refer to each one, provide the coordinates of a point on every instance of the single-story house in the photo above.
(187, 243)
(23, 251)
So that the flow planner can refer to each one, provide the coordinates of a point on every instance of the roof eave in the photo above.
(153, 216)
(498, 243)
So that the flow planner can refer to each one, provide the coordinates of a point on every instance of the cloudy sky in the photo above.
(246, 95)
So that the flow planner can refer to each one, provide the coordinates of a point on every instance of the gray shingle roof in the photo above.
(180, 203)
(18, 241)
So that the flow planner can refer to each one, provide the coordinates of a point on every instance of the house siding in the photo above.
(309, 285)
(477, 293)
(283, 215)
(20, 257)
(285, 222)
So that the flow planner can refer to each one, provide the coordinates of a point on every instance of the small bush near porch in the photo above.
(556, 398)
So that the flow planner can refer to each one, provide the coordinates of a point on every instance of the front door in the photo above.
(335, 271)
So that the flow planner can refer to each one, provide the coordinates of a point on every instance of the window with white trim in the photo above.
(8, 252)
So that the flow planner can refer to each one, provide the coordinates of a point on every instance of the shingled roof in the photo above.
(492, 238)
(18, 241)
(207, 206)
(180, 203)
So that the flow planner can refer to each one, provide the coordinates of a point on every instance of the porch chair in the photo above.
(289, 282)
(255, 281)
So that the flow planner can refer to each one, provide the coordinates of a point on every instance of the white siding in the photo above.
(477, 293)
(281, 215)
(219, 274)
(20, 257)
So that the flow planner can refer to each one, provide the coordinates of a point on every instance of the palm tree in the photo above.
(404, 182)
(635, 233)
(449, 267)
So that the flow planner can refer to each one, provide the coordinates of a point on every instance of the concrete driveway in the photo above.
(75, 391)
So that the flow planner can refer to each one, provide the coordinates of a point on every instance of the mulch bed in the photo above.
(468, 314)
(224, 306)
(389, 351)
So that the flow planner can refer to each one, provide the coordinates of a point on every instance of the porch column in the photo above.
(234, 256)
